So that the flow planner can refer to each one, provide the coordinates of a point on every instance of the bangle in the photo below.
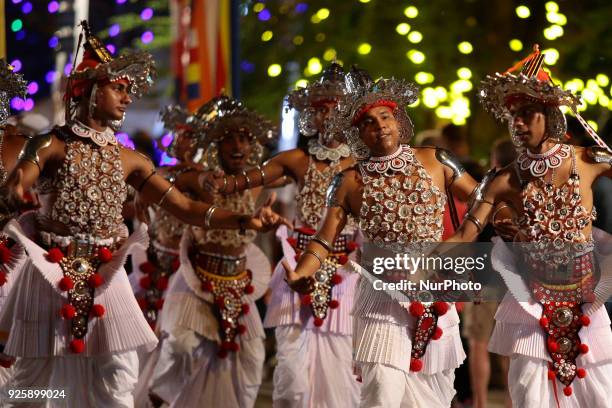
(476, 221)
(323, 242)
(313, 253)
(139, 189)
(498, 210)
(163, 197)
(246, 178)
(262, 174)
(208, 216)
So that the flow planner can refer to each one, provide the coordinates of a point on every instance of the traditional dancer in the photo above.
(154, 268)
(397, 194)
(313, 332)
(212, 350)
(551, 323)
(11, 85)
(71, 317)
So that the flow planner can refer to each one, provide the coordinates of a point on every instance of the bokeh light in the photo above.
(274, 70)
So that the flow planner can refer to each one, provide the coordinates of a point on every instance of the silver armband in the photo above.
(600, 155)
(478, 194)
(33, 146)
(449, 160)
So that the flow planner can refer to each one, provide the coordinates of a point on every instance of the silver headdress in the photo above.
(533, 84)
(361, 95)
(12, 84)
(329, 87)
(138, 68)
(216, 119)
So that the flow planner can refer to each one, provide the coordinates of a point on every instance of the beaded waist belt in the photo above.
(221, 265)
(227, 280)
(572, 282)
(79, 258)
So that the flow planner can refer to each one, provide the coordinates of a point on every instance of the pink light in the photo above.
(32, 87)
(17, 103)
(146, 14)
(147, 37)
(53, 6)
(111, 48)
(16, 64)
(28, 105)
(167, 139)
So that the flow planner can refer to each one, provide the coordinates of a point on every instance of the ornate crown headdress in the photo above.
(363, 94)
(12, 84)
(98, 66)
(534, 84)
(216, 119)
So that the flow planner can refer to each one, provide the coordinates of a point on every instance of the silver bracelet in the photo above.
(475, 221)
(313, 253)
(163, 197)
(263, 175)
(246, 178)
(208, 215)
(323, 242)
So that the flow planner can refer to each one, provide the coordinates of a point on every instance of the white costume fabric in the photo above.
(314, 366)
(518, 334)
(185, 370)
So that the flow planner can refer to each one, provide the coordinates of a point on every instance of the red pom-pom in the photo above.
(105, 254)
(225, 324)
(145, 282)
(246, 309)
(2, 278)
(440, 308)
(336, 279)
(176, 263)
(544, 322)
(306, 230)
(95, 280)
(55, 255)
(581, 373)
(416, 365)
(351, 246)
(220, 302)
(162, 283)
(222, 353)
(98, 310)
(207, 286)
(437, 333)
(359, 379)
(343, 259)
(292, 241)
(66, 284)
(242, 329)
(306, 300)
(6, 363)
(5, 254)
(318, 322)
(77, 346)
(583, 348)
(551, 375)
(589, 297)
(427, 323)
(249, 289)
(585, 320)
(142, 302)
(159, 304)
(333, 304)
(416, 309)
(567, 391)
(235, 347)
(226, 345)
(68, 311)
(147, 267)
(553, 346)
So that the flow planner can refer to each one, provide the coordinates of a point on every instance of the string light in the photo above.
(464, 73)
(516, 45)
(523, 12)
(411, 12)
(402, 28)
(423, 77)
(417, 57)
(267, 35)
(364, 48)
(415, 37)
(274, 70)
(465, 47)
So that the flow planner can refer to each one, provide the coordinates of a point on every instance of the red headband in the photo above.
(381, 102)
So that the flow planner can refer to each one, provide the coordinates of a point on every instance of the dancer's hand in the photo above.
(297, 282)
(212, 181)
(266, 219)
